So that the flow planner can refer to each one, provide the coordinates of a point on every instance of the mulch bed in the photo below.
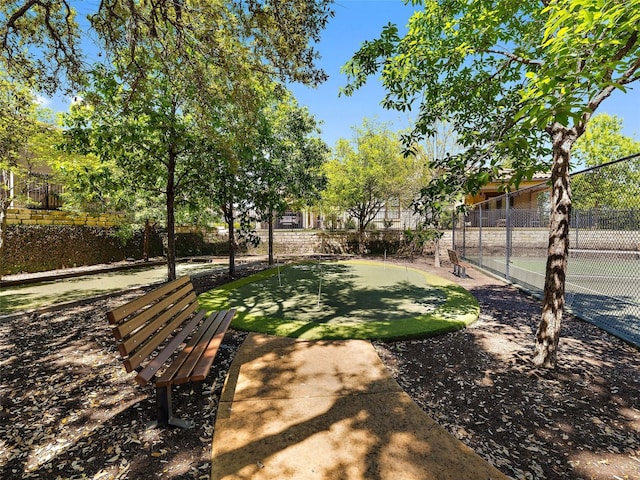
(69, 410)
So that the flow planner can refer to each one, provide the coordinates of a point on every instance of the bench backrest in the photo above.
(142, 325)
(453, 257)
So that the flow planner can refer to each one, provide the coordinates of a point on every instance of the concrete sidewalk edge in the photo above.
(321, 410)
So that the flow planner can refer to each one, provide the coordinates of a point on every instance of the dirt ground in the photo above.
(69, 410)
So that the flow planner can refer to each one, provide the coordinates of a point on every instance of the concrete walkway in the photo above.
(328, 410)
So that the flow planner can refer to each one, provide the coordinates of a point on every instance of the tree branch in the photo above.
(627, 77)
(11, 23)
(516, 58)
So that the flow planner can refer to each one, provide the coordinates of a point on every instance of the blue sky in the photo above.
(356, 21)
(359, 20)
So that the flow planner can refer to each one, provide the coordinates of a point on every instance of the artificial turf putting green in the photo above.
(345, 299)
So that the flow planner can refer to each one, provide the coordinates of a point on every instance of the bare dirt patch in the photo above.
(69, 410)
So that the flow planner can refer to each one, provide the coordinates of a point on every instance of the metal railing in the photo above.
(34, 190)
(603, 273)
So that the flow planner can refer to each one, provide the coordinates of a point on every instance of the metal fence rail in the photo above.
(603, 273)
(35, 190)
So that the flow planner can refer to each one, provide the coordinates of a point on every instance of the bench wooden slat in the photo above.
(117, 314)
(140, 337)
(125, 328)
(188, 357)
(184, 374)
(145, 350)
(208, 345)
(152, 367)
(206, 360)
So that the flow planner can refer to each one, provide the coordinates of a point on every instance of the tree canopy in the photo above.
(366, 173)
(517, 80)
(610, 187)
(604, 142)
(289, 161)
(148, 137)
(40, 40)
(173, 77)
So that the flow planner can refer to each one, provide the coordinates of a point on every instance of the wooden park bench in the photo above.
(459, 268)
(151, 332)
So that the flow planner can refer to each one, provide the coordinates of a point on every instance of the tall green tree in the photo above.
(610, 187)
(230, 128)
(366, 173)
(289, 164)
(259, 153)
(148, 137)
(517, 80)
(604, 142)
(174, 66)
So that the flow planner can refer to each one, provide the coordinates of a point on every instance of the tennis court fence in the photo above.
(508, 236)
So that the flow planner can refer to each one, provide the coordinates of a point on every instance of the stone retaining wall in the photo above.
(27, 216)
(535, 239)
(336, 242)
(74, 241)
(40, 246)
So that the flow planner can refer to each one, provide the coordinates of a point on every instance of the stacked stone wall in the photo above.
(39, 240)
(37, 248)
(338, 242)
(27, 216)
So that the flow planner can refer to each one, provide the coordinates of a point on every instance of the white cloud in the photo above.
(43, 101)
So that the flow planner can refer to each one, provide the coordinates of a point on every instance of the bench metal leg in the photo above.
(459, 271)
(165, 412)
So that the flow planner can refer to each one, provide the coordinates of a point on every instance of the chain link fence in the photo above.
(508, 236)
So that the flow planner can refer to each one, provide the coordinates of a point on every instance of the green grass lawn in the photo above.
(38, 295)
(347, 299)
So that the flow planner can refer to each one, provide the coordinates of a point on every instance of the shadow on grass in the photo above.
(36, 295)
(345, 300)
(17, 301)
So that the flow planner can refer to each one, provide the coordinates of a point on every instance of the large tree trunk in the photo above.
(4, 207)
(146, 240)
(270, 237)
(548, 333)
(232, 240)
(361, 241)
(171, 220)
